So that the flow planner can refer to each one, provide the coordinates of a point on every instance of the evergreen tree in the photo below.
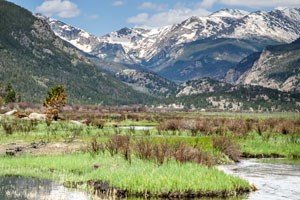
(54, 102)
(10, 94)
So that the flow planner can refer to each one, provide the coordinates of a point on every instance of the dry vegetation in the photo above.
(146, 149)
(238, 127)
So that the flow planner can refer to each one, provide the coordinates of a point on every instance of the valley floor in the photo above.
(175, 157)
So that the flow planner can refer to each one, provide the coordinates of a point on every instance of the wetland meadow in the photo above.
(142, 153)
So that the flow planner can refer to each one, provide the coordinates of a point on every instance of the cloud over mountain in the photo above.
(60, 8)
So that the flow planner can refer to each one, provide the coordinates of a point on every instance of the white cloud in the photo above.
(207, 3)
(165, 18)
(261, 3)
(152, 6)
(252, 3)
(61, 8)
(141, 18)
(118, 3)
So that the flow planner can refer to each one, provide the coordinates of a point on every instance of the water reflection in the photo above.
(137, 128)
(20, 188)
(275, 180)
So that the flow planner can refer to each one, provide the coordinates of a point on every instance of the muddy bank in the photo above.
(272, 155)
(105, 190)
(259, 156)
(40, 148)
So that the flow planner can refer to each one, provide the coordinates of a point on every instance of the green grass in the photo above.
(139, 177)
(252, 143)
(269, 144)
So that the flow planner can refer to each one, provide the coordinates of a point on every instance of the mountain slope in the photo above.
(33, 59)
(147, 82)
(209, 58)
(277, 67)
(215, 95)
(160, 50)
(200, 86)
(245, 64)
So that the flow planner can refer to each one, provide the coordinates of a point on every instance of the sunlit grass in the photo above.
(138, 177)
(269, 144)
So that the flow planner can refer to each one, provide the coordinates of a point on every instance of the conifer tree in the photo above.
(55, 101)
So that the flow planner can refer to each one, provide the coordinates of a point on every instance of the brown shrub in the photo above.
(96, 147)
(98, 123)
(228, 147)
(170, 125)
(184, 153)
(179, 151)
(120, 144)
(144, 149)
(161, 152)
(203, 126)
(238, 126)
(287, 127)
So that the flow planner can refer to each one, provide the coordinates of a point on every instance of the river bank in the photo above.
(138, 178)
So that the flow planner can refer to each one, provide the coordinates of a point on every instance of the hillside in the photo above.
(148, 83)
(277, 67)
(210, 94)
(33, 59)
(209, 58)
(245, 64)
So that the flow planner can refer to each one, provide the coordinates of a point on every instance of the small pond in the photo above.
(137, 127)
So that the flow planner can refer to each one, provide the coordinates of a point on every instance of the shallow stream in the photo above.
(274, 178)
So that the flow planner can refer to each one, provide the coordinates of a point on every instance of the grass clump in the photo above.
(271, 145)
(11, 126)
(138, 178)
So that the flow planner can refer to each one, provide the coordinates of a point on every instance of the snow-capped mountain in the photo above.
(162, 48)
(76, 36)
(232, 13)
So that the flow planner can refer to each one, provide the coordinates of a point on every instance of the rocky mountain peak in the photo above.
(231, 13)
(174, 48)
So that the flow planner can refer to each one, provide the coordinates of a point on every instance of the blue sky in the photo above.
(103, 16)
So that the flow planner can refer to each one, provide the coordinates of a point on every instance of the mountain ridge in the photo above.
(277, 67)
(158, 49)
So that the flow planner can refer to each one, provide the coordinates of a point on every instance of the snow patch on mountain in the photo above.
(160, 46)
(232, 13)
